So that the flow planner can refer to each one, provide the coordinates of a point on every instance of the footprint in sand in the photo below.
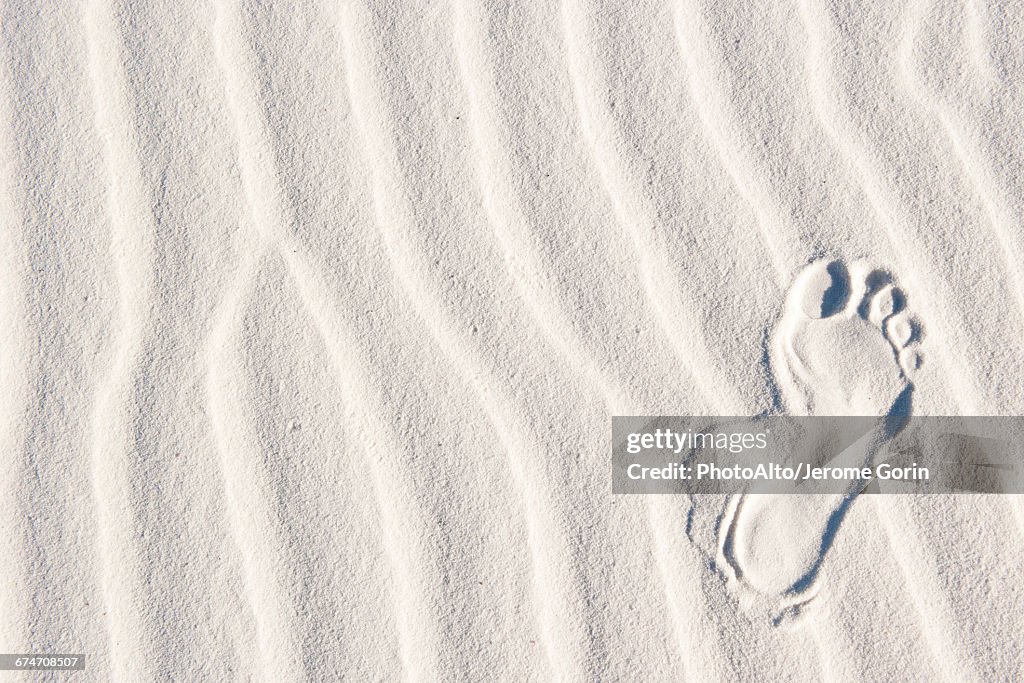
(846, 345)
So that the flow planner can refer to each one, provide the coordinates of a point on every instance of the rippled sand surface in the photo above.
(313, 319)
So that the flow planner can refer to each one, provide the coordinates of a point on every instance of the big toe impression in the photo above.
(822, 289)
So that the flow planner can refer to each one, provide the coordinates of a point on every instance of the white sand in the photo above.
(313, 319)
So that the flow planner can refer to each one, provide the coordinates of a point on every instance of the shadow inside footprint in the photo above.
(838, 292)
